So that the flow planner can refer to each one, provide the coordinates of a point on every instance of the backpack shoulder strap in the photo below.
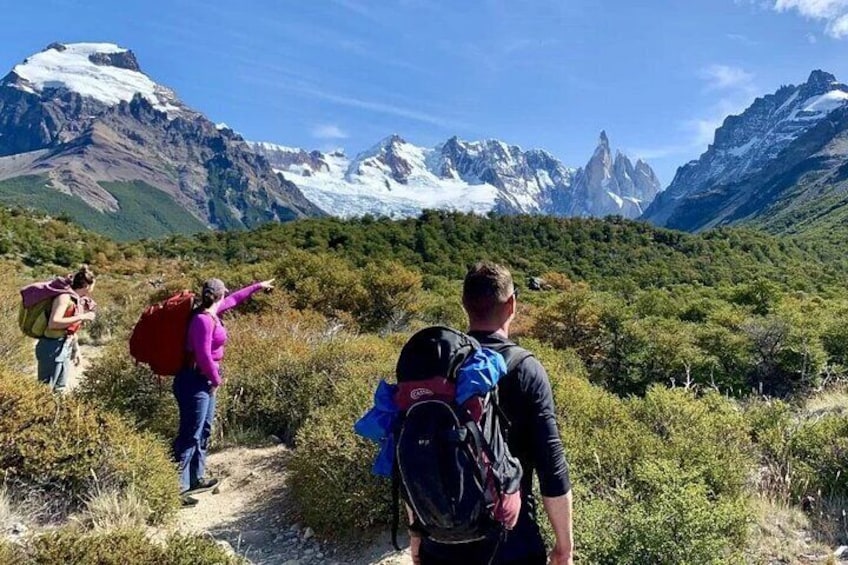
(512, 354)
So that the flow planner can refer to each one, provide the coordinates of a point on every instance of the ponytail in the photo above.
(83, 278)
(204, 300)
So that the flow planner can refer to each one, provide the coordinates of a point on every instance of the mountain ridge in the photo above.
(750, 151)
(399, 179)
(84, 115)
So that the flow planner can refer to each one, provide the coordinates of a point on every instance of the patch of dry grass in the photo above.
(828, 402)
(112, 509)
(15, 349)
(781, 533)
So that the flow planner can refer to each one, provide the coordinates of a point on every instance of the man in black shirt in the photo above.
(489, 298)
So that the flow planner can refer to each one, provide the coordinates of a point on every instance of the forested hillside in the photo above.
(609, 253)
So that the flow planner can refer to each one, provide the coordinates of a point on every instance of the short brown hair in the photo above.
(487, 285)
(83, 278)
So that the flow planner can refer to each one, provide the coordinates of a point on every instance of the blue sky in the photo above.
(658, 76)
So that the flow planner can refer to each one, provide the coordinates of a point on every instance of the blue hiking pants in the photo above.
(197, 413)
(54, 362)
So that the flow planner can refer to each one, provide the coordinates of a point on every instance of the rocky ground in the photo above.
(251, 514)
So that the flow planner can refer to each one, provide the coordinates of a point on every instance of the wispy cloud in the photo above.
(737, 87)
(380, 107)
(304, 88)
(360, 9)
(743, 39)
(526, 44)
(328, 131)
(833, 13)
(725, 77)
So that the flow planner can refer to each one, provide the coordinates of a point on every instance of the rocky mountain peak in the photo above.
(104, 54)
(398, 178)
(102, 74)
(82, 115)
(392, 155)
(744, 147)
(121, 60)
(821, 80)
(601, 163)
(613, 186)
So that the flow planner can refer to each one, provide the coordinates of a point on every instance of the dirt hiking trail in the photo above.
(252, 514)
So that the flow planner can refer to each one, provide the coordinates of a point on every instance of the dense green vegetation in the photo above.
(610, 253)
(666, 353)
(144, 210)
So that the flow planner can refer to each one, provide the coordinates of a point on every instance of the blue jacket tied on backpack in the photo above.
(377, 425)
(478, 376)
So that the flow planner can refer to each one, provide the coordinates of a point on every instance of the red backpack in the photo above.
(159, 337)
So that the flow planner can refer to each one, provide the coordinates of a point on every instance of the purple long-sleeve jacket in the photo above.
(207, 336)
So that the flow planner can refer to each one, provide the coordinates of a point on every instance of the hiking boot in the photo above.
(203, 485)
(188, 501)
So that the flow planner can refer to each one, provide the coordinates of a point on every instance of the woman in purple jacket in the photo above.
(196, 385)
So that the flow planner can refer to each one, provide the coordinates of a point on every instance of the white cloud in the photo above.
(328, 131)
(839, 26)
(724, 77)
(834, 13)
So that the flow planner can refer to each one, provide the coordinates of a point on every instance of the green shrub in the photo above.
(115, 383)
(602, 439)
(324, 283)
(331, 468)
(803, 456)
(771, 424)
(667, 517)
(393, 297)
(9, 554)
(196, 550)
(65, 448)
(573, 321)
(819, 457)
(706, 436)
(120, 547)
(658, 479)
(277, 377)
(331, 478)
(112, 548)
(442, 310)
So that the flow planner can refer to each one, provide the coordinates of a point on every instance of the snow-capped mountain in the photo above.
(75, 116)
(606, 184)
(748, 150)
(397, 178)
(82, 121)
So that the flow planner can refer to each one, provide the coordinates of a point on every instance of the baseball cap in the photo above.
(215, 287)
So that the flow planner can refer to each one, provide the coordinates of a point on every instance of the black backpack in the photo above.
(452, 465)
